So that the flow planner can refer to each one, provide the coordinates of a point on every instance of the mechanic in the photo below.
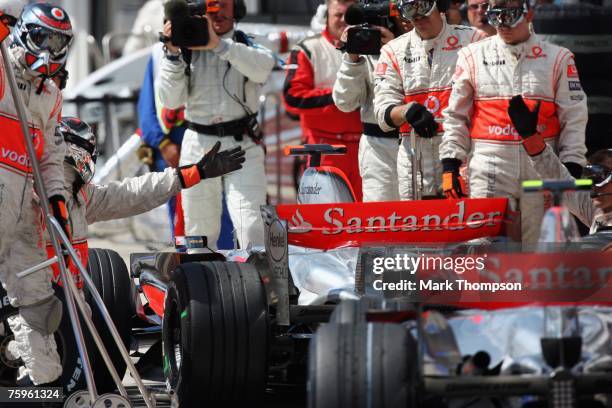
(478, 119)
(308, 93)
(39, 44)
(89, 203)
(354, 88)
(161, 132)
(220, 89)
(413, 84)
(594, 209)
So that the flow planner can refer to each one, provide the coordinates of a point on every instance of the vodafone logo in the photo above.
(432, 104)
(508, 130)
(13, 156)
(536, 52)
(58, 13)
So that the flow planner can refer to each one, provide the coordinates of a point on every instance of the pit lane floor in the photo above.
(125, 244)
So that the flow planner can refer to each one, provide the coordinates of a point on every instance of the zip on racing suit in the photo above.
(308, 93)
(411, 69)
(488, 75)
(21, 241)
(354, 88)
(222, 91)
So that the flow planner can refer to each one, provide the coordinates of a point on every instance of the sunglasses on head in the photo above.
(601, 175)
(505, 16)
(412, 9)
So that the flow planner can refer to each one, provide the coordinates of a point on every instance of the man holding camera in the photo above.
(413, 84)
(220, 84)
(506, 87)
(354, 89)
(308, 93)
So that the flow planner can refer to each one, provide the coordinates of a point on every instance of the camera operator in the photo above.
(413, 84)
(354, 88)
(308, 93)
(220, 88)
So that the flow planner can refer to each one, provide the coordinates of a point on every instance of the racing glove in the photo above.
(421, 120)
(452, 183)
(526, 124)
(213, 164)
(574, 169)
(59, 211)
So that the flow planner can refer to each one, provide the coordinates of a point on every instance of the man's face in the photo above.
(427, 25)
(335, 18)
(477, 13)
(223, 21)
(604, 202)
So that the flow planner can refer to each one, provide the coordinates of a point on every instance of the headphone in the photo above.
(240, 10)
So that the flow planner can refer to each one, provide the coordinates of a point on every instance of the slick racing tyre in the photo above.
(112, 280)
(215, 334)
(350, 311)
(362, 365)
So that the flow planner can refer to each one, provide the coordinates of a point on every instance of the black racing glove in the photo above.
(213, 164)
(59, 211)
(525, 121)
(574, 169)
(421, 120)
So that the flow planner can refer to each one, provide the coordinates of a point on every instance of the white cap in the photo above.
(12, 7)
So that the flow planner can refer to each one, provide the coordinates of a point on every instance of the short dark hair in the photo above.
(602, 157)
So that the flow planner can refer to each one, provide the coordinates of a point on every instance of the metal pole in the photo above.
(415, 156)
(279, 153)
(44, 203)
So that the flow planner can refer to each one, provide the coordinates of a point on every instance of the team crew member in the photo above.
(308, 93)
(594, 209)
(354, 89)
(480, 119)
(413, 84)
(39, 44)
(221, 97)
(89, 203)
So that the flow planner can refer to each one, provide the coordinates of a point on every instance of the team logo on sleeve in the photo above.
(572, 71)
(381, 69)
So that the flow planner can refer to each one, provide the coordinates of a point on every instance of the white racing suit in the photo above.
(241, 70)
(354, 89)
(488, 75)
(548, 166)
(21, 241)
(115, 200)
(411, 69)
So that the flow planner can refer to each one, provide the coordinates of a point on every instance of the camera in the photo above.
(189, 29)
(364, 39)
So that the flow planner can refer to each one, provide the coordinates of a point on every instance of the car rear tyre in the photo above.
(215, 334)
(362, 365)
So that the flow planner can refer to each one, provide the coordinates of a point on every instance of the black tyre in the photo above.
(112, 280)
(215, 334)
(362, 365)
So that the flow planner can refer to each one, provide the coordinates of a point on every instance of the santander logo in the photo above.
(298, 225)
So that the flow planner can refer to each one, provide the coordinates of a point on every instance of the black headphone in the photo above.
(240, 10)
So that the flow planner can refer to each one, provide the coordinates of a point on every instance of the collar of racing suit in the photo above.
(17, 55)
(519, 50)
(325, 33)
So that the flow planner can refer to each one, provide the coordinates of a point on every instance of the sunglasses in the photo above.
(46, 39)
(600, 175)
(482, 6)
(412, 9)
(506, 16)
